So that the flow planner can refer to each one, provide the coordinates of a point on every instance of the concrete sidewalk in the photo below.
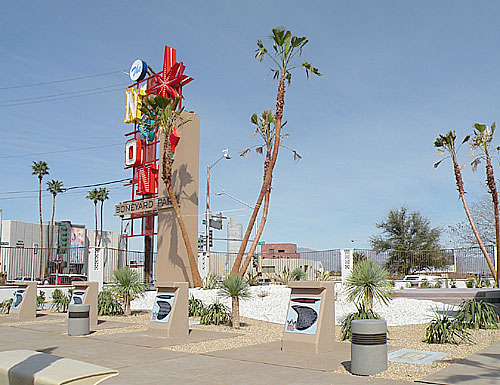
(150, 365)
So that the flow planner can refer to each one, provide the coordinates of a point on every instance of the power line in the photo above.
(63, 98)
(61, 81)
(67, 188)
(65, 93)
(60, 151)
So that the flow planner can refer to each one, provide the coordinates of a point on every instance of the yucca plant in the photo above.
(297, 274)
(214, 314)
(60, 301)
(195, 307)
(446, 329)
(128, 286)
(478, 315)
(324, 276)
(108, 303)
(284, 276)
(252, 278)
(368, 281)
(362, 313)
(5, 305)
(40, 300)
(211, 281)
(235, 287)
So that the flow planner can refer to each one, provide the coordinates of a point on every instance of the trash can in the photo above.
(78, 320)
(368, 346)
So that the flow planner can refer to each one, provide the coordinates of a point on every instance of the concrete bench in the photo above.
(20, 367)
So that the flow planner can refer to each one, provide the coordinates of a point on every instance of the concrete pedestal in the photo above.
(24, 304)
(169, 317)
(310, 323)
(86, 293)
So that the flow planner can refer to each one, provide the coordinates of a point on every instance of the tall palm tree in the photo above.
(94, 196)
(236, 288)
(103, 196)
(40, 169)
(286, 48)
(265, 127)
(481, 140)
(54, 187)
(446, 143)
(166, 116)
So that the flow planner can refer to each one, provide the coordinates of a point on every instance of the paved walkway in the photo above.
(140, 360)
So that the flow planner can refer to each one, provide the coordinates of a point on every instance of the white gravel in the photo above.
(270, 303)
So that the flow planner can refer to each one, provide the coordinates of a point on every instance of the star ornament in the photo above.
(170, 83)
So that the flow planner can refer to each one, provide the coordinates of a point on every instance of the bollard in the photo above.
(368, 346)
(78, 320)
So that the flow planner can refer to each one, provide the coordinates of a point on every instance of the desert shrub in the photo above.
(297, 274)
(477, 315)
(446, 329)
(127, 287)
(108, 303)
(425, 284)
(195, 307)
(469, 283)
(252, 278)
(215, 314)
(284, 276)
(40, 300)
(438, 284)
(6, 305)
(211, 281)
(3, 278)
(362, 313)
(60, 301)
(453, 284)
(324, 276)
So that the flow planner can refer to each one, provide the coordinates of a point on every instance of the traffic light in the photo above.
(211, 238)
(202, 242)
(254, 262)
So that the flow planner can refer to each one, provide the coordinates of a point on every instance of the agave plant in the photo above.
(236, 288)
(368, 281)
(128, 286)
(477, 315)
(446, 329)
(298, 274)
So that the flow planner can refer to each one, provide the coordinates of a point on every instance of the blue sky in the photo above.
(396, 74)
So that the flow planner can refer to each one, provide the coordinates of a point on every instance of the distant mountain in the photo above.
(304, 250)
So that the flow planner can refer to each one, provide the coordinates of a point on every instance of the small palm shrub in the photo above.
(108, 303)
(425, 284)
(60, 301)
(215, 314)
(477, 315)
(368, 281)
(40, 300)
(195, 307)
(446, 329)
(5, 305)
(362, 313)
(297, 274)
(252, 278)
(127, 287)
(235, 287)
(211, 281)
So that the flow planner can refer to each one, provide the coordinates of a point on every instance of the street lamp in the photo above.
(225, 155)
(223, 192)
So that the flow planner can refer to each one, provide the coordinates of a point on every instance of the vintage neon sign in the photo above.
(138, 71)
(146, 183)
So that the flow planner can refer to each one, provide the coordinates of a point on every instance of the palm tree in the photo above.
(446, 143)
(54, 187)
(483, 136)
(40, 169)
(166, 116)
(286, 48)
(94, 196)
(265, 127)
(236, 288)
(103, 195)
(128, 286)
(368, 281)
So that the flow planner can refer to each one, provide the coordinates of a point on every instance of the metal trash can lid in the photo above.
(79, 308)
(368, 326)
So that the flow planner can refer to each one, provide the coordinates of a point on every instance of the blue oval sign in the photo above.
(138, 70)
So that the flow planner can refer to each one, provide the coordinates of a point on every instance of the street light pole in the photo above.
(225, 155)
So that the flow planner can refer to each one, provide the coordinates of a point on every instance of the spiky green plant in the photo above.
(60, 301)
(324, 276)
(235, 287)
(214, 314)
(211, 281)
(195, 307)
(478, 315)
(298, 274)
(40, 300)
(361, 313)
(284, 276)
(446, 329)
(368, 281)
(108, 303)
(252, 278)
(5, 305)
(128, 286)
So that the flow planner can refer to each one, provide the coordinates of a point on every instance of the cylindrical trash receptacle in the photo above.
(368, 346)
(78, 320)
(493, 297)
